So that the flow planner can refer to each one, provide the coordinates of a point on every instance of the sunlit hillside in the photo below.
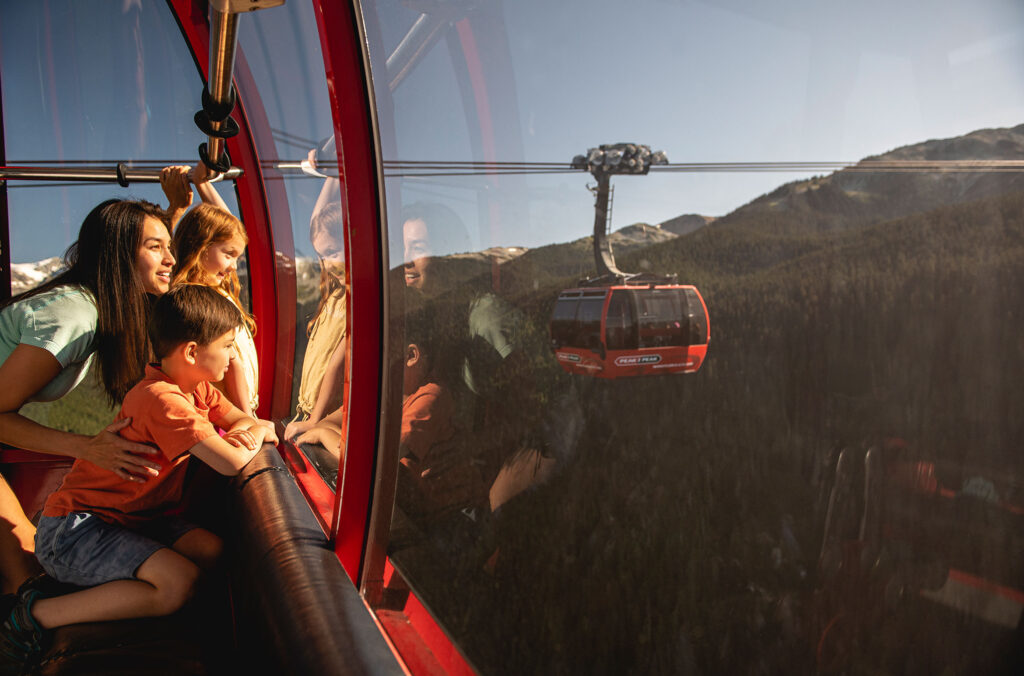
(844, 310)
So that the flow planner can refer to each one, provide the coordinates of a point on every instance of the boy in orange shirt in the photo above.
(437, 477)
(116, 536)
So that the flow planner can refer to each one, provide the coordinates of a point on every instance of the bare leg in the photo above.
(166, 580)
(17, 542)
(201, 547)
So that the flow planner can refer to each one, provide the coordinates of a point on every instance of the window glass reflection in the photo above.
(301, 155)
(822, 486)
(96, 85)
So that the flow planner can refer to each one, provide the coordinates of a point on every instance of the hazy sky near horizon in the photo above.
(714, 81)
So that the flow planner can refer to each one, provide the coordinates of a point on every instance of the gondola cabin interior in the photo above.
(484, 473)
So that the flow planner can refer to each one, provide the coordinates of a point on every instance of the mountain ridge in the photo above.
(843, 199)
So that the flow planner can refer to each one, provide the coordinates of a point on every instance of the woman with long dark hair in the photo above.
(96, 310)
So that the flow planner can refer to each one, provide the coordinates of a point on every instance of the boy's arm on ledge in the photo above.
(235, 421)
(226, 458)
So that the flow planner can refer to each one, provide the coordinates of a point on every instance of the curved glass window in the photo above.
(838, 487)
(661, 313)
(563, 319)
(588, 322)
(87, 84)
(293, 131)
(694, 316)
(621, 323)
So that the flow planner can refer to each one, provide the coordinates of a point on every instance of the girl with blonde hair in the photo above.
(208, 242)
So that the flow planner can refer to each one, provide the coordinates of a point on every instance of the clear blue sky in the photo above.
(730, 80)
(705, 81)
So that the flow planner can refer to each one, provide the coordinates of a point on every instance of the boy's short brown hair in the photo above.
(190, 312)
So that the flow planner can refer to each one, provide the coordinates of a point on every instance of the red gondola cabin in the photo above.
(619, 331)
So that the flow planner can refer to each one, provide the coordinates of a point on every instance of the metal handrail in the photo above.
(120, 174)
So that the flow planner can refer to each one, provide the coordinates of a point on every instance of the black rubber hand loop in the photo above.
(219, 110)
(220, 166)
(228, 128)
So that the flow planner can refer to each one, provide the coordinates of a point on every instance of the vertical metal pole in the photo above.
(223, 38)
(5, 230)
(603, 258)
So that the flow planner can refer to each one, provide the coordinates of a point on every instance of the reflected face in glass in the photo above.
(154, 261)
(417, 253)
(214, 358)
(220, 259)
(332, 254)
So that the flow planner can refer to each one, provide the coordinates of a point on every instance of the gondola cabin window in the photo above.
(588, 322)
(660, 314)
(670, 317)
(295, 141)
(563, 320)
(591, 479)
(87, 85)
(621, 327)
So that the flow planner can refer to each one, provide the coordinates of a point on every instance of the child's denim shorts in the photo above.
(83, 549)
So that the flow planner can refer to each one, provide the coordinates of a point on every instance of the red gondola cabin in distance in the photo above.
(630, 330)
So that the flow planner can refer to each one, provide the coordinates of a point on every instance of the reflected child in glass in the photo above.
(323, 365)
(437, 477)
